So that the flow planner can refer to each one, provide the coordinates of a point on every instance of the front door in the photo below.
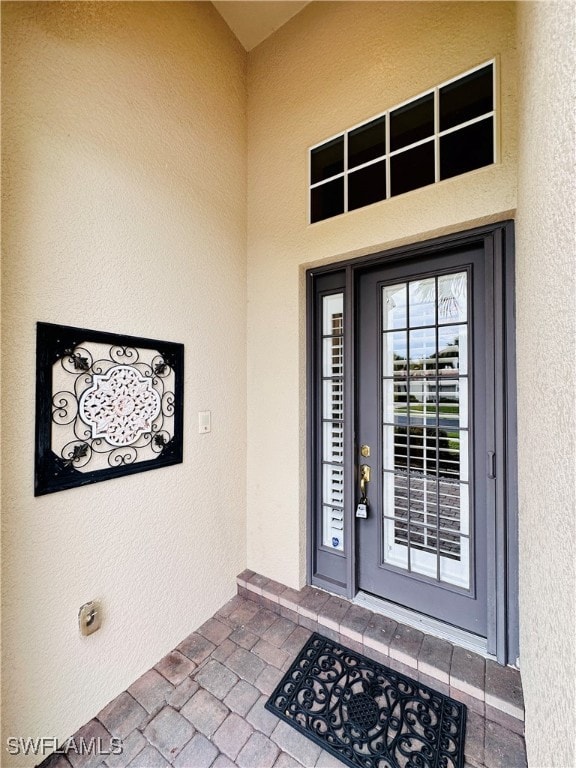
(423, 458)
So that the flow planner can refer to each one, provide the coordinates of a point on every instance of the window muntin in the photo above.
(445, 132)
(466, 98)
(466, 149)
(412, 169)
(367, 142)
(367, 185)
(327, 160)
(412, 122)
(327, 200)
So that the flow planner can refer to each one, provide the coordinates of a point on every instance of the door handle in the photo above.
(362, 508)
(364, 479)
(491, 465)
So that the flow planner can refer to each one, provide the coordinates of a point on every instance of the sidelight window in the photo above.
(333, 421)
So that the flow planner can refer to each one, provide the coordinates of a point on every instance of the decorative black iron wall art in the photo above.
(106, 405)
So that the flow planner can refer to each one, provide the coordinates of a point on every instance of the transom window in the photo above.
(445, 132)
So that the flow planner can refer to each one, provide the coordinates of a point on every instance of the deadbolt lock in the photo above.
(365, 451)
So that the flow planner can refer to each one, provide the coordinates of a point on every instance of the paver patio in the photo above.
(202, 706)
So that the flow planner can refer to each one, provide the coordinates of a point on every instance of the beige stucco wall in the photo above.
(546, 332)
(124, 159)
(124, 210)
(332, 66)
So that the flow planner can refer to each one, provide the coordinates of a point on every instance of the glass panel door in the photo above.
(421, 390)
(425, 447)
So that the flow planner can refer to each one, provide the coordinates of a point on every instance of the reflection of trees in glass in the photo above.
(449, 356)
(451, 292)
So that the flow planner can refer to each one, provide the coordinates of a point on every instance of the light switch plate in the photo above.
(204, 421)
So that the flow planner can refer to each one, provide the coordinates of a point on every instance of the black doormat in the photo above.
(366, 714)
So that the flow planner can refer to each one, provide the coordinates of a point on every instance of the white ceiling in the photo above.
(254, 20)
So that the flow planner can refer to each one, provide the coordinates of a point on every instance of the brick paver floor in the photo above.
(202, 706)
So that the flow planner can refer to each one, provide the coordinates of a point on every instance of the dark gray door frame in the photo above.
(498, 241)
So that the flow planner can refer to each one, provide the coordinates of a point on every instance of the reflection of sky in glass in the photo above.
(422, 307)
(422, 345)
(452, 298)
(419, 298)
(394, 307)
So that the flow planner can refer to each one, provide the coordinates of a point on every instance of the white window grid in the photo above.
(333, 427)
(435, 137)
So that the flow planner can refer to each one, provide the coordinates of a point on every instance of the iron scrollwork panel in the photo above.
(106, 405)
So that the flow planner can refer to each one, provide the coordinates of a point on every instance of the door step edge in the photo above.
(483, 698)
(424, 623)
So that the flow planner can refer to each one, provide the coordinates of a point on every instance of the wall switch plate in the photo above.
(89, 617)
(204, 421)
